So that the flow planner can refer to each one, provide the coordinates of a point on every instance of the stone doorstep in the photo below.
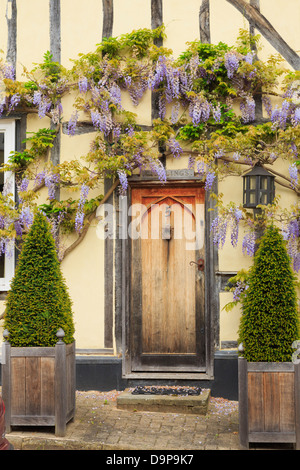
(195, 404)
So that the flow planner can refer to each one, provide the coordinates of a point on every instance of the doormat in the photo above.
(165, 390)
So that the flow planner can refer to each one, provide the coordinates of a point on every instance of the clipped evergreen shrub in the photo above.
(269, 321)
(38, 303)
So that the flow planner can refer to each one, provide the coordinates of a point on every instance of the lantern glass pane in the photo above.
(252, 182)
(252, 198)
(263, 182)
(264, 198)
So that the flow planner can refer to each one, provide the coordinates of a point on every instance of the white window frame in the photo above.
(8, 127)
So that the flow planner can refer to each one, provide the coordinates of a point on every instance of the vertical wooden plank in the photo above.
(72, 369)
(18, 379)
(255, 401)
(60, 389)
(33, 386)
(286, 388)
(6, 384)
(47, 386)
(243, 402)
(297, 403)
(271, 397)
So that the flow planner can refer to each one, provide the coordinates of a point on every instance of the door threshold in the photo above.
(169, 375)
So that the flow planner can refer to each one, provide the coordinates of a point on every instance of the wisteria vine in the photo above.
(196, 95)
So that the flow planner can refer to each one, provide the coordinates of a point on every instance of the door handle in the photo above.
(199, 263)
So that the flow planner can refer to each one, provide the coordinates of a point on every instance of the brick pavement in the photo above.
(98, 424)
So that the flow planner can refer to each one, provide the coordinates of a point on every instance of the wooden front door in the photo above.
(167, 329)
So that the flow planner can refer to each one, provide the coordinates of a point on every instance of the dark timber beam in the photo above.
(156, 21)
(204, 23)
(55, 50)
(260, 22)
(11, 18)
(108, 18)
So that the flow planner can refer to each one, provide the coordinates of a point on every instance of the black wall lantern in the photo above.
(258, 187)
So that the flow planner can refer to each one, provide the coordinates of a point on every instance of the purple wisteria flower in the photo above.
(216, 110)
(52, 182)
(175, 113)
(6, 246)
(2, 106)
(160, 72)
(201, 168)
(175, 147)
(42, 102)
(18, 228)
(279, 116)
(293, 171)
(83, 84)
(219, 229)
(72, 123)
(57, 112)
(9, 72)
(115, 95)
(219, 153)
(14, 101)
(199, 110)
(249, 57)
(123, 182)
(102, 121)
(79, 217)
(26, 217)
(40, 177)
(157, 167)
(210, 177)
(267, 105)
(24, 184)
(191, 162)
(240, 288)
(296, 117)
(247, 107)
(248, 244)
(23, 187)
(231, 63)
(290, 233)
(236, 217)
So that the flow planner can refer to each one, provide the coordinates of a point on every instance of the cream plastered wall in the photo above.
(284, 16)
(81, 30)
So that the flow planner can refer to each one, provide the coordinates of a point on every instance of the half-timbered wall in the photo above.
(29, 28)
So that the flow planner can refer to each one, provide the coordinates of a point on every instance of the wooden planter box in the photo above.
(269, 402)
(38, 386)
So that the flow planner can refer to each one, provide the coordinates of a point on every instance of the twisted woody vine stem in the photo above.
(206, 100)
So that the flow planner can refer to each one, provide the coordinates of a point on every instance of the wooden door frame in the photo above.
(211, 293)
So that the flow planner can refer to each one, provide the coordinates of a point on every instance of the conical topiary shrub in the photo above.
(269, 322)
(38, 303)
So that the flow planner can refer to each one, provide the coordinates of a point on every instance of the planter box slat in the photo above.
(38, 420)
(269, 402)
(32, 351)
(270, 366)
(39, 389)
(268, 437)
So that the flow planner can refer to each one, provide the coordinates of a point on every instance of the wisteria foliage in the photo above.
(207, 110)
